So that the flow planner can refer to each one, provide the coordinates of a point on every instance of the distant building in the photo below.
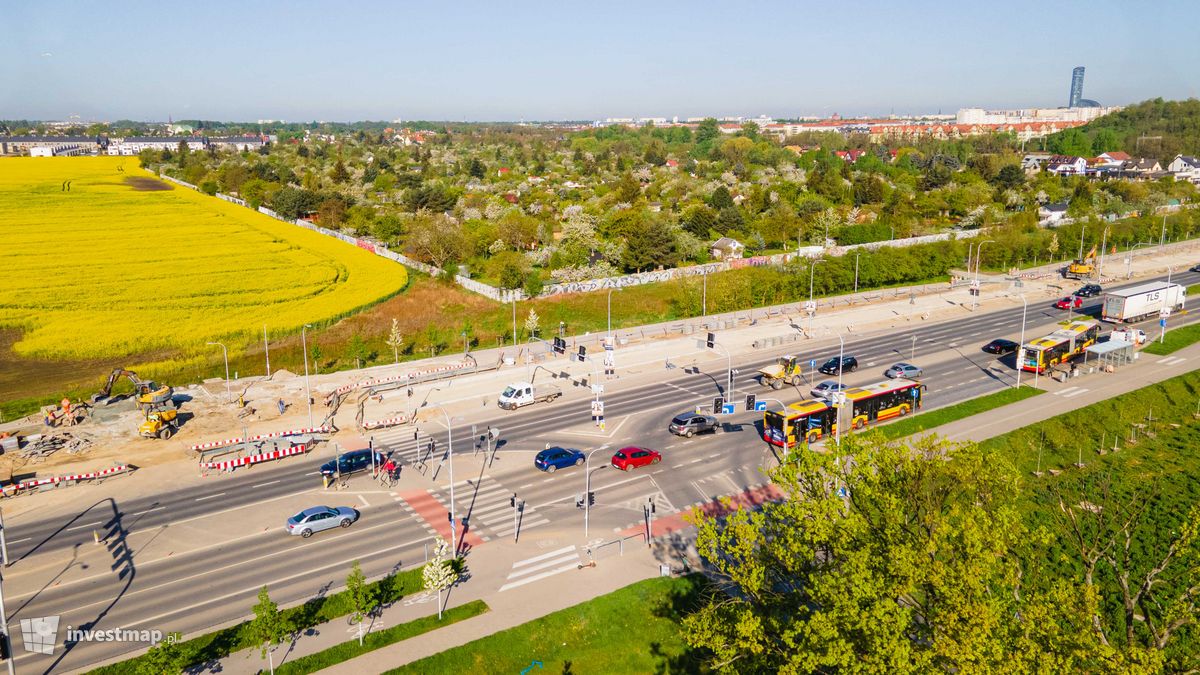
(1066, 165)
(1076, 96)
(239, 143)
(1052, 214)
(725, 248)
(135, 144)
(1185, 167)
(52, 146)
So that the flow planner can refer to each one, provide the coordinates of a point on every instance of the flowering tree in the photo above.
(439, 572)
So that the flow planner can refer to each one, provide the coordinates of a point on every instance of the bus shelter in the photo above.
(1109, 355)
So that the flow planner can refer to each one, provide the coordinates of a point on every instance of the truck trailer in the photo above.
(1142, 302)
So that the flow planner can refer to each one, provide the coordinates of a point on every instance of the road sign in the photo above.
(760, 406)
(1162, 323)
(1164, 312)
(597, 389)
(812, 363)
(597, 408)
(727, 409)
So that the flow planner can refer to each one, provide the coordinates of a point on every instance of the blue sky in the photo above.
(303, 60)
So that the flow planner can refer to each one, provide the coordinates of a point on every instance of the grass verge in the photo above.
(350, 649)
(945, 415)
(632, 630)
(219, 644)
(1174, 340)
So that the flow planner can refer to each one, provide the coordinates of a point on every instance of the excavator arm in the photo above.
(115, 375)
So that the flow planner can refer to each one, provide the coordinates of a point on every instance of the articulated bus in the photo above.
(1060, 346)
(812, 419)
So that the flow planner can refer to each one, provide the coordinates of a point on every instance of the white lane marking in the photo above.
(522, 487)
(536, 558)
(80, 527)
(1065, 392)
(1075, 393)
(17, 541)
(312, 473)
(157, 508)
(530, 569)
(270, 482)
(538, 577)
(363, 500)
(219, 494)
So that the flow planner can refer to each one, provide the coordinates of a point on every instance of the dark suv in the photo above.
(1089, 291)
(689, 424)
(849, 364)
(351, 462)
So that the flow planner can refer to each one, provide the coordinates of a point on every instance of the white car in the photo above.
(826, 389)
(904, 370)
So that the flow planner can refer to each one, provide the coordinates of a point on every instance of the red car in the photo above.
(1071, 301)
(633, 457)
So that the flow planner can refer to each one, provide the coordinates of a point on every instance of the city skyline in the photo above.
(371, 61)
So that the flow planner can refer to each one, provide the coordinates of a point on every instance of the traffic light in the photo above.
(579, 501)
(750, 402)
(591, 498)
(582, 352)
(717, 403)
(560, 346)
(711, 341)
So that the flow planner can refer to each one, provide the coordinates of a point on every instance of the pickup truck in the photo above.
(520, 394)
(1135, 335)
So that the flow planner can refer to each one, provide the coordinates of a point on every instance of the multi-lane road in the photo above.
(131, 582)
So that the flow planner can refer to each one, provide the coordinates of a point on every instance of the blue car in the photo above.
(553, 459)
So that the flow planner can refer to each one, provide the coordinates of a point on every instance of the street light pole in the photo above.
(704, 300)
(225, 352)
(1021, 343)
(1103, 245)
(856, 254)
(307, 389)
(1129, 257)
(812, 268)
(837, 429)
(514, 307)
(913, 355)
(587, 490)
(1162, 239)
(450, 458)
(978, 262)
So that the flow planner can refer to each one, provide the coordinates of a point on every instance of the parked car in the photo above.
(317, 518)
(903, 370)
(826, 388)
(1069, 302)
(1089, 291)
(633, 457)
(1001, 346)
(831, 367)
(689, 424)
(555, 458)
(351, 462)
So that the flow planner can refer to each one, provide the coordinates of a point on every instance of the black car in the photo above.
(1089, 291)
(689, 424)
(351, 462)
(1001, 346)
(849, 364)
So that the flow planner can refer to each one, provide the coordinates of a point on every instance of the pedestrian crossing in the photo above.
(542, 566)
(1171, 360)
(1071, 392)
(487, 506)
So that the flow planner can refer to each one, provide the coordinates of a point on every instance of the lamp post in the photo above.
(450, 459)
(1162, 239)
(225, 352)
(812, 268)
(514, 307)
(1021, 342)
(729, 388)
(1103, 245)
(837, 430)
(1129, 257)
(978, 262)
(913, 354)
(610, 311)
(307, 389)
(1082, 230)
(704, 297)
(856, 254)
(587, 489)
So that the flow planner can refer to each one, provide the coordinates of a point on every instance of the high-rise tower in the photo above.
(1076, 87)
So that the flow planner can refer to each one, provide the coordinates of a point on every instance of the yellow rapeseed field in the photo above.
(107, 270)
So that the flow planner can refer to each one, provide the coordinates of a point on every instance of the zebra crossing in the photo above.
(1171, 360)
(1070, 392)
(542, 566)
(486, 505)
(410, 444)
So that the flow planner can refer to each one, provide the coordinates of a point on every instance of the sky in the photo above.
(303, 60)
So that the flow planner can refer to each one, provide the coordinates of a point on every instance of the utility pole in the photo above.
(267, 350)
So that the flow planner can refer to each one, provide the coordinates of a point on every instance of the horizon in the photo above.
(507, 65)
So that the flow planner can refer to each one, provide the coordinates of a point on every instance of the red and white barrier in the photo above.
(396, 378)
(260, 437)
(228, 464)
(55, 480)
(389, 422)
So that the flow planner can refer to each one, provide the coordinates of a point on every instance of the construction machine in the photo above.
(161, 422)
(788, 369)
(1083, 268)
(146, 393)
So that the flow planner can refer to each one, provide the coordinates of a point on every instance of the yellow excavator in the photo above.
(146, 393)
(1082, 269)
(787, 370)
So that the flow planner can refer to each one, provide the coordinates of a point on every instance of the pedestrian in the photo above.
(282, 406)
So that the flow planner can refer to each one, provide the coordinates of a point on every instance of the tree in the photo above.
(1053, 247)
(1010, 177)
(362, 599)
(164, 657)
(627, 189)
(435, 239)
(331, 213)
(649, 246)
(1105, 141)
(339, 173)
(533, 285)
(358, 350)
(886, 558)
(708, 130)
(315, 354)
(720, 198)
(699, 220)
(267, 627)
(730, 218)
(395, 339)
(439, 573)
(477, 170)
(509, 269)
(531, 322)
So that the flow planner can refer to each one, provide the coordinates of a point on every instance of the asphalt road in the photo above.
(217, 582)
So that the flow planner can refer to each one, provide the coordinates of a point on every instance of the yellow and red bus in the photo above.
(812, 419)
(1060, 346)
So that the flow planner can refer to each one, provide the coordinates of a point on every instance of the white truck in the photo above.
(520, 394)
(1142, 302)
(1136, 336)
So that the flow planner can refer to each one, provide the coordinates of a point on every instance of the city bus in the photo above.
(813, 419)
(1059, 346)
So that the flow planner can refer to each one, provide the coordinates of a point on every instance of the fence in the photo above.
(231, 464)
(42, 483)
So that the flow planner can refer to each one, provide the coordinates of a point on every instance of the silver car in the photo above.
(319, 518)
(907, 370)
(826, 389)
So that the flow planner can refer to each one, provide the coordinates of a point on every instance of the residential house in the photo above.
(725, 248)
(1066, 165)
(49, 146)
(1114, 159)
(135, 144)
(1185, 167)
(238, 143)
(1052, 214)
(850, 155)
(1033, 162)
(1142, 165)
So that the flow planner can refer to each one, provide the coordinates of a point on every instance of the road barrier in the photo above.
(231, 464)
(54, 481)
(260, 437)
(389, 422)
(414, 377)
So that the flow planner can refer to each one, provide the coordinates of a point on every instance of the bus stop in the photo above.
(1109, 355)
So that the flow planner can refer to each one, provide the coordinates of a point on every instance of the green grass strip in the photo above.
(939, 416)
(372, 641)
(631, 630)
(222, 643)
(1177, 339)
